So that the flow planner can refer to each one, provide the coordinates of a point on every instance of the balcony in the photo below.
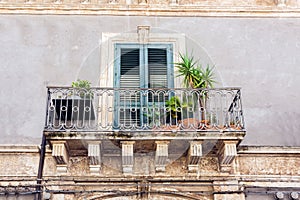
(104, 122)
(111, 111)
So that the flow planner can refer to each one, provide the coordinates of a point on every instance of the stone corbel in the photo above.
(113, 1)
(60, 153)
(194, 156)
(173, 2)
(143, 2)
(280, 3)
(127, 156)
(94, 156)
(161, 155)
(227, 153)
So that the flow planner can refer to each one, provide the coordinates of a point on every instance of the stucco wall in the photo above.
(261, 55)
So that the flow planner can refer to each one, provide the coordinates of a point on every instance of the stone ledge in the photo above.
(19, 148)
(140, 10)
(268, 150)
(148, 135)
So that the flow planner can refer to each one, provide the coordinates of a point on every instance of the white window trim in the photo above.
(110, 39)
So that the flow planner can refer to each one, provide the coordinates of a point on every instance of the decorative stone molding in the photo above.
(194, 156)
(143, 34)
(60, 153)
(227, 190)
(94, 155)
(127, 156)
(251, 8)
(112, 1)
(174, 2)
(143, 2)
(161, 155)
(5, 148)
(280, 3)
(235, 196)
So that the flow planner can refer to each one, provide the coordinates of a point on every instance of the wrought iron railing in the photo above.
(132, 109)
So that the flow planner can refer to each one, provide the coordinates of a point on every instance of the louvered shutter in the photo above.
(129, 78)
(140, 66)
(130, 68)
(157, 68)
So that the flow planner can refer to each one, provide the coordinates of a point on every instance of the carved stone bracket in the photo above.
(280, 3)
(143, 2)
(94, 155)
(195, 154)
(127, 156)
(161, 155)
(173, 2)
(60, 153)
(227, 153)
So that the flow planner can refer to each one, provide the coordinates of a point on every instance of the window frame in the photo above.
(144, 63)
(144, 78)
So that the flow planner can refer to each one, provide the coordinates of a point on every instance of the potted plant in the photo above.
(195, 76)
(153, 116)
(82, 89)
(174, 108)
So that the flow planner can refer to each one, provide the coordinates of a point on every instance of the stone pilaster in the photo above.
(127, 156)
(161, 155)
(94, 156)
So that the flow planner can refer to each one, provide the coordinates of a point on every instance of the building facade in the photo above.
(119, 139)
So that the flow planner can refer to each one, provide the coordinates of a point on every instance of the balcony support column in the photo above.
(94, 156)
(161, 155)
(61, 155)
(227, 153)
(127, 156)
(194, 156)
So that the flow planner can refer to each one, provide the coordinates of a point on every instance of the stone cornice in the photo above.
(268, 150)
(225, 8)
(21, 148)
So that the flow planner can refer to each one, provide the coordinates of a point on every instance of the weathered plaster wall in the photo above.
(261, 55)
(257, 174)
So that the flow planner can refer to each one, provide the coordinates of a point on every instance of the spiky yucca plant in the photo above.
(83, 88)
(194, 75)
(187, 69)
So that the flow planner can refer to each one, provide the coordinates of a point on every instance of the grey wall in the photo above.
(261, 55)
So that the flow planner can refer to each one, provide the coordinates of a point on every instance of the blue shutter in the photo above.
(145, 66)
(157, 68)
(130, 68)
